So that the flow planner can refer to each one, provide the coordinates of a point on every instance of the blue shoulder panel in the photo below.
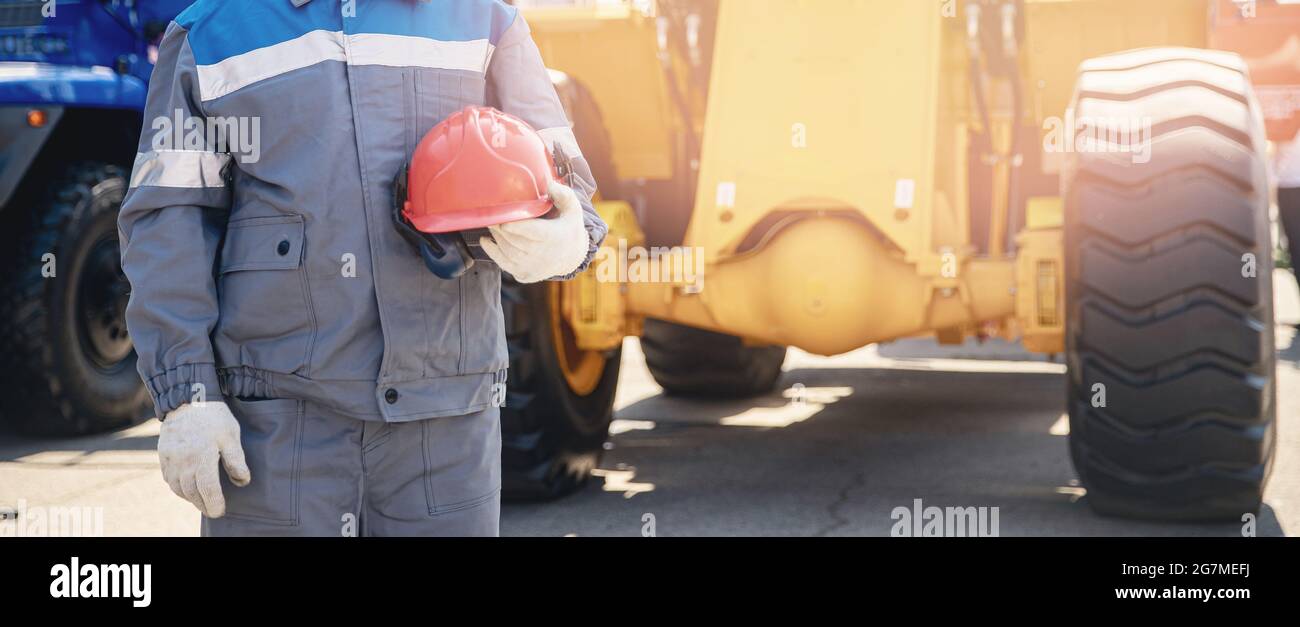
(444, 20)
(220, 29)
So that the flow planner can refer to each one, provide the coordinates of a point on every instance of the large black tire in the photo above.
(67, 361)
(590, 131)
(1162, 312)
(553, 435)
(686, 361)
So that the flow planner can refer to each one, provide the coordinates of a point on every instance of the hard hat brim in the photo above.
(479, 217)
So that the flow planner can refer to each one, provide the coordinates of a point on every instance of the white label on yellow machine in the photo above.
(904, 193)
(726, 195)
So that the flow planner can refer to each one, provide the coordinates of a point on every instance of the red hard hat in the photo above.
(479, 167)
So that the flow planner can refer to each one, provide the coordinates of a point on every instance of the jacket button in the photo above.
(391, 396)
(283, 248)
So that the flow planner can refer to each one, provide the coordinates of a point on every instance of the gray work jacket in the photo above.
(256, 232)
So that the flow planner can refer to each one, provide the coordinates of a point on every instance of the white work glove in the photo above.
(194, 437)
(542, 248)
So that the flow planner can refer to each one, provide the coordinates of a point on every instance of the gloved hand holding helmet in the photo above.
(541, 248)
(485, 178)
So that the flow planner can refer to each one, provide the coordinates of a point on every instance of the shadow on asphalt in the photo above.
(1290, 352)
(14, 446)
(865, 441)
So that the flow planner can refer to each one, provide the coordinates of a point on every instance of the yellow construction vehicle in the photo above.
(1079, 174)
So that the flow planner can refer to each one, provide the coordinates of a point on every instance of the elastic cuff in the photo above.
(596, 232)
(183, 384)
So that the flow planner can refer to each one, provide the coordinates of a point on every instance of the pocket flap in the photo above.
(272, 243)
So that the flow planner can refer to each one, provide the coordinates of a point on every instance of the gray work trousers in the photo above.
(318, 473)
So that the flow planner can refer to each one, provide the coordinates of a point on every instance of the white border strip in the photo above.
(563, 137)
(190, 169)
(404, 51)
(240, 71)
(237, 72)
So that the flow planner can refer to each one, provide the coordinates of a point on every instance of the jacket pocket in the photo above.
(271, 433)
(266, 318)
(463, 319)
(440, 93)
(482, 323)
(462, 460)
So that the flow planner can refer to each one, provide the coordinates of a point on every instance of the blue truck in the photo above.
(73, 80)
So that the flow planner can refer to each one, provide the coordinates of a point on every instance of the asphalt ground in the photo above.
(834, 451)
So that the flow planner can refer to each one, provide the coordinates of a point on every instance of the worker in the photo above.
(312, 376)
(1287, 169)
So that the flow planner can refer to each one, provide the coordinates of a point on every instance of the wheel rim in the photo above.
(582, 369)
(102, 294)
